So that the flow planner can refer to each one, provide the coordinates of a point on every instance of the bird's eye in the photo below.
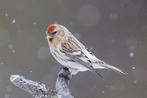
(53, 33)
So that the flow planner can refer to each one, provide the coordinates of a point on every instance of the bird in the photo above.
(72, 54)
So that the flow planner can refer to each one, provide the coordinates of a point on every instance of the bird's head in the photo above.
(55, 31)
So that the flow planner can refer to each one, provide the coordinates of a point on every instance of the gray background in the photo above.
(115, 29)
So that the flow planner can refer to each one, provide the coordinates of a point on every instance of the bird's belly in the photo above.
(73, 65)
(69, 64)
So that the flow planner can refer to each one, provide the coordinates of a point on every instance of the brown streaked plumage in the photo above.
(71, 53)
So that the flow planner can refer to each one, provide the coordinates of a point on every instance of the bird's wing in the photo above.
(97, 63)
(79, 53)
(72, 48)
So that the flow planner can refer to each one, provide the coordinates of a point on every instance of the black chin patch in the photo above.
(51, 39)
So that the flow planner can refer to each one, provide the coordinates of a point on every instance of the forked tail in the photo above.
(107, 66)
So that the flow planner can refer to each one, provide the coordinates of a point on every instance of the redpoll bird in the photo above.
(71, 53)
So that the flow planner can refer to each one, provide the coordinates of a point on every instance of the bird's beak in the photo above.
(47, 37)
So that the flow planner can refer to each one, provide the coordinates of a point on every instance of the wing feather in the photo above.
(75, 51)
(79, 53)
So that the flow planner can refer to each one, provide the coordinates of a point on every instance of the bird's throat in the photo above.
(50, 39)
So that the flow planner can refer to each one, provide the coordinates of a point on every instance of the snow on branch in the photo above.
(62, 83)
(39, 90)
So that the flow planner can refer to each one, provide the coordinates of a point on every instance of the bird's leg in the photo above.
(65, 74)
(73, 71)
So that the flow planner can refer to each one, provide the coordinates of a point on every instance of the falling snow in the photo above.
(30, 71)
(11, 47)
(34, 23)
(131, 54)
(103, 92)
(13, 51)
(133, 67)
(135, 81)
(113, 41)
(6, 14)
(13, 21)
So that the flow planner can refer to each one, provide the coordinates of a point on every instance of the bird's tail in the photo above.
(107, 66)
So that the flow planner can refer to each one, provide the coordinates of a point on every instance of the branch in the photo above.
(39, 90)
(62, 83)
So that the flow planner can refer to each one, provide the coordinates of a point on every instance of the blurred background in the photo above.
(116, 30)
